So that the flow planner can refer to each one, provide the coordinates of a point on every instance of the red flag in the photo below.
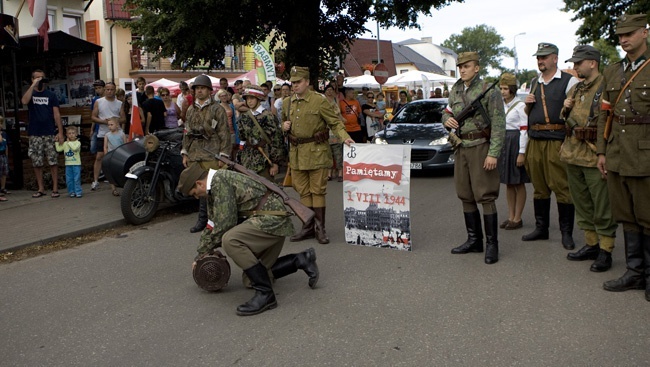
(38, 10)
(136, 122)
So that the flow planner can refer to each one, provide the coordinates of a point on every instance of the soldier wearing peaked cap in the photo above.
(588, 189)
(623, 149)
(307, 118)
(250, 224)
(545, 136)
(475, 174)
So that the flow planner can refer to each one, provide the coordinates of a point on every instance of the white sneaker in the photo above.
(94, 186)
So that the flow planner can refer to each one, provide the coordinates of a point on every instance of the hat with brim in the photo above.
(631, 22)
(298, 73)
(464, 57)
(584, 52)
(255, 91)
(188, 178)
(544, 49)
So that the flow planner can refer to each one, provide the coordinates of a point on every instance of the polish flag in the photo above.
(38, 10)
(136, 123)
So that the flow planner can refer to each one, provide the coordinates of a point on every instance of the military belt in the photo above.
(195, 136)
(485, 133)
(547, 127)
(319, 137)
(636, 120)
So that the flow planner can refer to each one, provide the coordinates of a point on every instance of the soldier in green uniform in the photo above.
(250, 224)
(206, 126)
(624, 149)
(586, 184)
(307, 118)
(546, 132)
(263, 140)
(475, 173)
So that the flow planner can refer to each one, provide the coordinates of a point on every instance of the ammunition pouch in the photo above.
(212, 271)
(586, 133)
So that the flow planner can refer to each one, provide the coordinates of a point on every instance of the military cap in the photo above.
(584, 52)
(255, 91)
(507, 79)
(188, 178)
(631, 22)
(544, 49)
(464, 57)
(298, 73)
(99, 83)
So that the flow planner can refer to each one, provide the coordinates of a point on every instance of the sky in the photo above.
(541, 20)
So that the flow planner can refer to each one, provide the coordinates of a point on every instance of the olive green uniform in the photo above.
(473, 183)
(311, 160)
(206, 127)
(588, 189)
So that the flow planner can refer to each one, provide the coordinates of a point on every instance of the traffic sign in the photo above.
(381, 73)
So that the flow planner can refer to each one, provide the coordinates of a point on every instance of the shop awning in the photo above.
(61, 44)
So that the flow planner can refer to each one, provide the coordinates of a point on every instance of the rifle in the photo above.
(468, 112)
(301, 211)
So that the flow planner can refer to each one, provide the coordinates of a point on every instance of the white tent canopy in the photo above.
(361, 81)
(165, 83)
(416, 77)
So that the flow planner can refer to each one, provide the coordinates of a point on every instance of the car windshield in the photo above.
(420, 113)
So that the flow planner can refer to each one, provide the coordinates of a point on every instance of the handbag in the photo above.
(287, 178)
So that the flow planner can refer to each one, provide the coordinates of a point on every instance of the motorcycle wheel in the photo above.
(137, 206)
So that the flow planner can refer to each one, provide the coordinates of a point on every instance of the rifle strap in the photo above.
(620, 94)
(546, 118)
(594, 103)
(257, 124)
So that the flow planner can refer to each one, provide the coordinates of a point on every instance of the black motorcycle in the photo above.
(148, 169)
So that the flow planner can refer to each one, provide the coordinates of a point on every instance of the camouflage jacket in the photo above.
(627, 148)
(575, 151)
(206, 127)
(309, 115)
(231, 193)
(460, 96)
(250, 156)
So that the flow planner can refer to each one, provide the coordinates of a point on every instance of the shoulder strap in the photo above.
(620, 94)
(511, 107)
(257, 124)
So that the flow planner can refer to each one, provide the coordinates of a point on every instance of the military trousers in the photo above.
(247, 245)
(473, 183)
(311, 185)
(630, 198)
(546, 171)
(591, 199)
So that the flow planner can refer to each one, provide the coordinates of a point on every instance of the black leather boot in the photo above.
(202, 221)
(289, 264)
(542, 213)
(319, 226)
(305, 233)
(264, 298)
(585, 253)
(566, 214)
(634, 276)
(603, 262)
(474, 241)
(491, 240)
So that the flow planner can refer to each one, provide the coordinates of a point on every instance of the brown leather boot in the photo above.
(321, 235)
(305, 233)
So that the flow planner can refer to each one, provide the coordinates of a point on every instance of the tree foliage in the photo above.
(598, 17)
(483, 39)
(608, 53)
(315, 32)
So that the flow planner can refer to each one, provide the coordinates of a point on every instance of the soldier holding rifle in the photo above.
(481, 136)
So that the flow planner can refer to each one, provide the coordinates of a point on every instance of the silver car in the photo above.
(419, 124)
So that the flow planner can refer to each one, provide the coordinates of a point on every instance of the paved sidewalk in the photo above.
(26, 221)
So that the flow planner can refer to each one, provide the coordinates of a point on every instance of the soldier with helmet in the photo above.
(587, 187)
(623, 149)
(475, 173)
(307, 118)
(263, 144)
(206, 133)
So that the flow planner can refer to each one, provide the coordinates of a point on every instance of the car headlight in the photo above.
(379, 140)
(440, 141)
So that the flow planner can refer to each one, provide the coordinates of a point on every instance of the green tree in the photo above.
(315, 32)
(608, 53)
(486, 41)
(597, 17)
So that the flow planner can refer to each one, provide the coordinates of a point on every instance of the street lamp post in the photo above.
(515, 51)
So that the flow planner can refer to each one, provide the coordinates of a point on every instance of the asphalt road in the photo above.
(131, 301)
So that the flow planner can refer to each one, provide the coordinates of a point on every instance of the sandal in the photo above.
(55, 194)
(115, 193)
(2, 198)
(38, 194)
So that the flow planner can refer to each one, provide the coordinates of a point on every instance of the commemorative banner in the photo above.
(376, 195)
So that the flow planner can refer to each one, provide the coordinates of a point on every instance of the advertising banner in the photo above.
(376, 195)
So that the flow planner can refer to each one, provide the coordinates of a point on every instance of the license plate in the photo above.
(416, 165)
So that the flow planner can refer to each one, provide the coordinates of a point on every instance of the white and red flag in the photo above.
(135, 129)
(38, 10)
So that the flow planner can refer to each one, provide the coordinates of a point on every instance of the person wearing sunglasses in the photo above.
(371, 115)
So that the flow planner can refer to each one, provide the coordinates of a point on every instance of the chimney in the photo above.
(427, 39)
